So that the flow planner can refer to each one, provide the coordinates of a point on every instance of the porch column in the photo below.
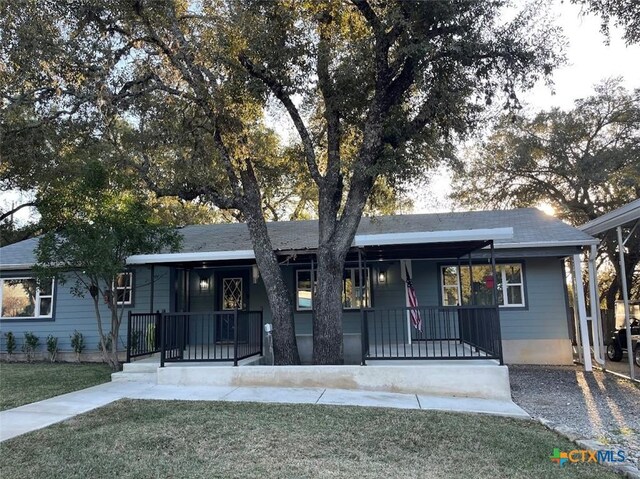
(582, 312)
(625, 300)
(596, 323)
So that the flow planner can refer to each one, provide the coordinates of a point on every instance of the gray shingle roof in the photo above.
(531, 228)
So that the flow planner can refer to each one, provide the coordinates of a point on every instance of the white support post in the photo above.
(582, 313)
(596, 323)
(625, 299)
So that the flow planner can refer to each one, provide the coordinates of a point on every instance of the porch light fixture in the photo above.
(382, 276)
(205, 282)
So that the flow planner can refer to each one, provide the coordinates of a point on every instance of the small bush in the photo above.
(11, 342)
(52, 347)
(30, 346)
(77, 343)
(135, 341)
(107, 344)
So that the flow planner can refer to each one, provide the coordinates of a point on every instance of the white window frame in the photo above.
(241, 292)
(115, 289)
(354, 297)
(37, 299)
(501, 277)
(506, 284)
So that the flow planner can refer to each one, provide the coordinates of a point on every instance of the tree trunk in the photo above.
(327, 322)
(285, 347)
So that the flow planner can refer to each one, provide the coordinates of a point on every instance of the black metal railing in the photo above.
(142, 334)
(212, 336)
(453, 332)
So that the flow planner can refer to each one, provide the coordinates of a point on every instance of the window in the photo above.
(123, 288)
(21, 298)
(355, 293)
(231, 293)
(476, 286)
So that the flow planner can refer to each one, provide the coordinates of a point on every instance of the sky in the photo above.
(589, 60)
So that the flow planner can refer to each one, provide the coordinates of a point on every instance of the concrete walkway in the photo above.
(30, 417)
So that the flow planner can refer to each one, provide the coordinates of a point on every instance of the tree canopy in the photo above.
(583, 162)
(98, 220)
(376, 91)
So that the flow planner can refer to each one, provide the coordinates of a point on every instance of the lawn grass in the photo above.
(217, 439)
(22, 383)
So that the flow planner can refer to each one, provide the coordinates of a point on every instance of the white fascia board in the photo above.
(548, 244)
(16, 266)
(185, 257)
(420, 237)
(621, 216)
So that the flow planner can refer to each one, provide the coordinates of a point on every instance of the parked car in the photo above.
(618, 343)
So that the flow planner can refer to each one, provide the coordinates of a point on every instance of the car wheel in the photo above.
(614, 352)
(637, 355)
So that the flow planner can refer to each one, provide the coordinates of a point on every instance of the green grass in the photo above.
(22, 383)
(216, 439)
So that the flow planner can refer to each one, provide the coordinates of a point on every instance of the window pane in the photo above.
(450, 296)
(123, 280)
(449, 276)
(18, 298)
(123, 295)
(304, 280)
(482, 285)
(46, 288)
(513, 273)
(514, 293)
(347, 293)
(45, 306)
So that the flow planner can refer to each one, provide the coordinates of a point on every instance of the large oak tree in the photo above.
(376, 91)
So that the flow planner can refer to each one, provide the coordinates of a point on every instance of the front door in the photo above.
(232, 295)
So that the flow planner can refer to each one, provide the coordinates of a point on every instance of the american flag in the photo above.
(416, 320)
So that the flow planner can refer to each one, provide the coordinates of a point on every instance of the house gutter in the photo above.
(420, 237)
(184, 257)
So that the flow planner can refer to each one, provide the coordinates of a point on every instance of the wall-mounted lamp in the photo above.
(205, 283)
(255, 273)
(382, 276)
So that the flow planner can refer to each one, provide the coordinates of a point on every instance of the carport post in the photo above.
(596, 321)
(582, 313)
(625, 299)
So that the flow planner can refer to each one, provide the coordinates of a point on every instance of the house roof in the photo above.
(531, 229)
(618, 217)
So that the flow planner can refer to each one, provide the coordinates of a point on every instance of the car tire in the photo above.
(637, 355)
(614, 352)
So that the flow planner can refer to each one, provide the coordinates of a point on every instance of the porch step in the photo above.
(138, 377)
(141, 367)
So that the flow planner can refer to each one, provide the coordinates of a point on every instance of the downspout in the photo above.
(625, 299)
(582, 313)
(596, 321)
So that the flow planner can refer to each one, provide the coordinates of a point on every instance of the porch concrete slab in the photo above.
(369, 398)
(473, 405)
(183, 393)
(276, 395)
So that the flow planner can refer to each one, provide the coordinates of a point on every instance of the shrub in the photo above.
(52, 347)
(11, 343)
(30, 346)
(77, 343)
(135, 341)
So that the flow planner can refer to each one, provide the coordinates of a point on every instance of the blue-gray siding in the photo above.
(544, 316)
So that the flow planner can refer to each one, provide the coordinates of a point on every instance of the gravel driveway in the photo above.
(595, 405)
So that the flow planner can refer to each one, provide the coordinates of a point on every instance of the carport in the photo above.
(619, 226)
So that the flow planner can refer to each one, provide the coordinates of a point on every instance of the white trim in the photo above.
(433, 237)
(618, 217)
(37, 299)
(547, 244)
(199, 256)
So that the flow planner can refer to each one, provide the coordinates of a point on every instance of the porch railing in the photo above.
(463, 332)
(212, 336)
(142, 334)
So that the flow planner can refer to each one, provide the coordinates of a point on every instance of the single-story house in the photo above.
(485, 284)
